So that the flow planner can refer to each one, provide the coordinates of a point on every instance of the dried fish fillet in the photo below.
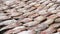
(16, 30)
(30, 16)
(27, 32)
(8, 22)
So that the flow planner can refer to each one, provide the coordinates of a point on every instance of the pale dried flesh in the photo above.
(29, 16)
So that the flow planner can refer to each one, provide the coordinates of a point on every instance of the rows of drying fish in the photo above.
(30, 16)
